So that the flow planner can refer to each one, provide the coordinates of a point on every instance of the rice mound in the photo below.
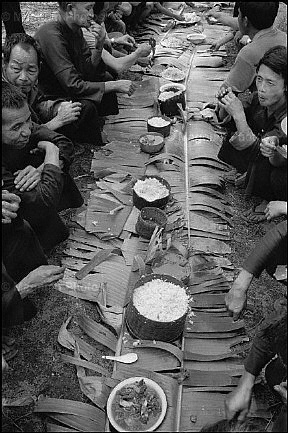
(150, 189)
(161, 301)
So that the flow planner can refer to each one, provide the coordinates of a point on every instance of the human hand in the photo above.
(125, 86)
(282, 390)
(144, 50)
(99, 32)
(216, 45)
(268, 146)
(238, 402)
(229, 102)
(235, 299)
(68, 112)
(27, 179)
(126, 40)
(275, 209)
(39, 277)
(10, 206)
(47, 146)
(5, 365)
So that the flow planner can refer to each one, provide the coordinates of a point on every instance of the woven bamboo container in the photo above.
(149, 218)
(142, 328)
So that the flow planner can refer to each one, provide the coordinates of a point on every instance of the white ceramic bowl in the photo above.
(196, 38)
(151, 384)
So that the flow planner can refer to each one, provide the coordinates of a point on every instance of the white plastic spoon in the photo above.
(128, 358)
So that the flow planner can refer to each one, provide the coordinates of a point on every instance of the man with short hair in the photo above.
(256, 20)
(21, 66)
(71, 70)
(45, 187)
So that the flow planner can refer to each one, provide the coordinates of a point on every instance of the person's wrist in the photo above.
(247, 381)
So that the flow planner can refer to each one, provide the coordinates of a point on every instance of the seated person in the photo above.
(158, 7)
(44, 187)
(270, 341)
(270, 252)
(141, 10)
(70, 70)
(21, 65)
(16, 308)
(21, 254)
(114, 22)
(256, 119)
(114, 64)
(256, 20)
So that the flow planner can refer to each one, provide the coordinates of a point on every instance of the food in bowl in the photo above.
(171, 92)
(151, 189)
(173, 74)
(161, 301)
(158, 122)
(137, 404)
(172, 42)
(151, 140)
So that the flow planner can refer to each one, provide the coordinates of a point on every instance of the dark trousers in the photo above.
(262, 180)
(21, 250)
(87, 129)
(12, 18)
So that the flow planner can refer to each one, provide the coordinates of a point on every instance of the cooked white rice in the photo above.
(158, 122)
(161, 301)
(150, 189)
(164, 96)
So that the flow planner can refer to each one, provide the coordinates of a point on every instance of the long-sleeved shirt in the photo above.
(260, 122)
(243, 71)
(270, 341)
(68, 69)
(55, 191)
(264, 251)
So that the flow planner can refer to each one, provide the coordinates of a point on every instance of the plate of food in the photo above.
(136, 404)
(173, 74)
(172, 42)
(189, 18)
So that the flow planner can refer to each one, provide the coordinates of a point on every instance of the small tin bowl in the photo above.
(164, 130)
(148, 146)
(149, 218)
(160, 203)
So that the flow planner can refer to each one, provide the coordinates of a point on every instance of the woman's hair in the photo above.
(276, 59)
(25, 41)
(249, 425)
(12, 97)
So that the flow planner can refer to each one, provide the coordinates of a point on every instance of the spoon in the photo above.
(128, 358)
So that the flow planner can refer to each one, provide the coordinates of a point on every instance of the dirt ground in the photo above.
(38, 369)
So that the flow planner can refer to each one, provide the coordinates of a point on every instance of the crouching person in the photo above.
(35, 164)
(24, 269)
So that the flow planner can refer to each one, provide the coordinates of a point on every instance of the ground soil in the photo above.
(38, 369)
